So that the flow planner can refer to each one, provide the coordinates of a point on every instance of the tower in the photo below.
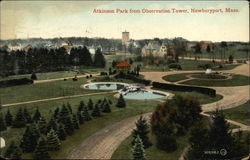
(125, 38)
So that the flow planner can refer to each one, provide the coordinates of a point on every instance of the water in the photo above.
(143, 95)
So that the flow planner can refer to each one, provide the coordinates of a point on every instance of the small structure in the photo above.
(2, 142)
(208, 71)
(123, 67)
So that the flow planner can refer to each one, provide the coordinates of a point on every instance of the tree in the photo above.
(52, 124)
(75, 121)
(27, 115)
(81, 105)
(85, 57)
(61, 132)
(2, 123)
(37, 115)
(223, 45)
(142, 130)
(230, 59)
(90, 104)
(33, 76)
(19, 121)
(8, 118)
(99, 60)
(138, 152)
(121, 102)
(53, 141)
(197, 50)
(42, 125)
(96, 111)
(69, 107)
(85, 114)
(56, 113)
(80, 117)
(106, 108)
(13, 151)
(41, 150)
(30, 138)
(166, 142)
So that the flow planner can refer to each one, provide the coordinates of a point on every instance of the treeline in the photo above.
(45, 60)
(41, 136)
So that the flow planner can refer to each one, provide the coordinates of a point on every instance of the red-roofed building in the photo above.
(123, 67)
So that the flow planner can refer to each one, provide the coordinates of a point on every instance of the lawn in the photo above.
(176, 77)
(237, 80)
(133, 108)
(186, 66)
(202, 98)
(240, 113)
(43, 90)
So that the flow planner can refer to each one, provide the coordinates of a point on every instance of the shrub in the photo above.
(173, 87)
(14, 82)
(230, 59)
(33, 76)
(175, 66)
(103, 73)
(166, 142)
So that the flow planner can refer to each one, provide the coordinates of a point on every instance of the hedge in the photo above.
(209, 91)
(134, 78)
(14, 82)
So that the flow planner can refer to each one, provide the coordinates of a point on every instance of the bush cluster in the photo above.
(14, 82)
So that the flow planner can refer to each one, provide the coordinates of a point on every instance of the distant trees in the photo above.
(197, 50)
(99, 60)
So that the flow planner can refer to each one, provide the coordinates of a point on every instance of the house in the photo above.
(27, 48)
(152, 48)
(123, 67)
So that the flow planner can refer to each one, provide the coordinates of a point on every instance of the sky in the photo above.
(49, 19)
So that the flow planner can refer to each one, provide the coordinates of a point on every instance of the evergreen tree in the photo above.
(53, 141)
(80, 117)
(41, 150)
(75, 121)
(99, 60)
(142, 130)
(86, 115)
(30, 138)
(69, 107)
(52, 124)
(33, 76)
(65, 118)
(90, 104)
(121, 102)
(8, 118)
(37, 115)
(85, 57)
(81, 105)
(27, 116)
(2, 123)
(138, 152)
(106, 108)
(56, 113)
(61, 132)
(64, 112)
(110, 102)
(42, 125)
(96, 111)
(13, 151)
(19, 121)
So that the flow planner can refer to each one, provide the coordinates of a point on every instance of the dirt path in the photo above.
(56, 98)
(103, 143)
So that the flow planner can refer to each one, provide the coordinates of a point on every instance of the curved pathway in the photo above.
(103, 143)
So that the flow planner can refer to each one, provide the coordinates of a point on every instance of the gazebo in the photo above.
(123, 67)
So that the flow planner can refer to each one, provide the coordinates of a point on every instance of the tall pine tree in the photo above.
(86, 115)
(61, 132)
(53, 141)
(27, 115)
(42, 125)
(96, 111)
(99, 60)
(19, 121)
(41, 150)
(80, 117)
(8, 118)
(138, 152)
(141, 130)
(37, 115)
(2, 123)
(75, 121)
(90, 104)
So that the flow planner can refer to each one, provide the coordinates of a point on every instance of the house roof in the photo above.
(123, 64)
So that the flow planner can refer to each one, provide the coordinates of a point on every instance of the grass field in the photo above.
(237, 80)
(43, 90)
(240, 113)
(202, 98)
(133, 108)
(176, 77)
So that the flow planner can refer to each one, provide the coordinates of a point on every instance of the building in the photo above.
(27, 48)
(123, 67)
(125, 38)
